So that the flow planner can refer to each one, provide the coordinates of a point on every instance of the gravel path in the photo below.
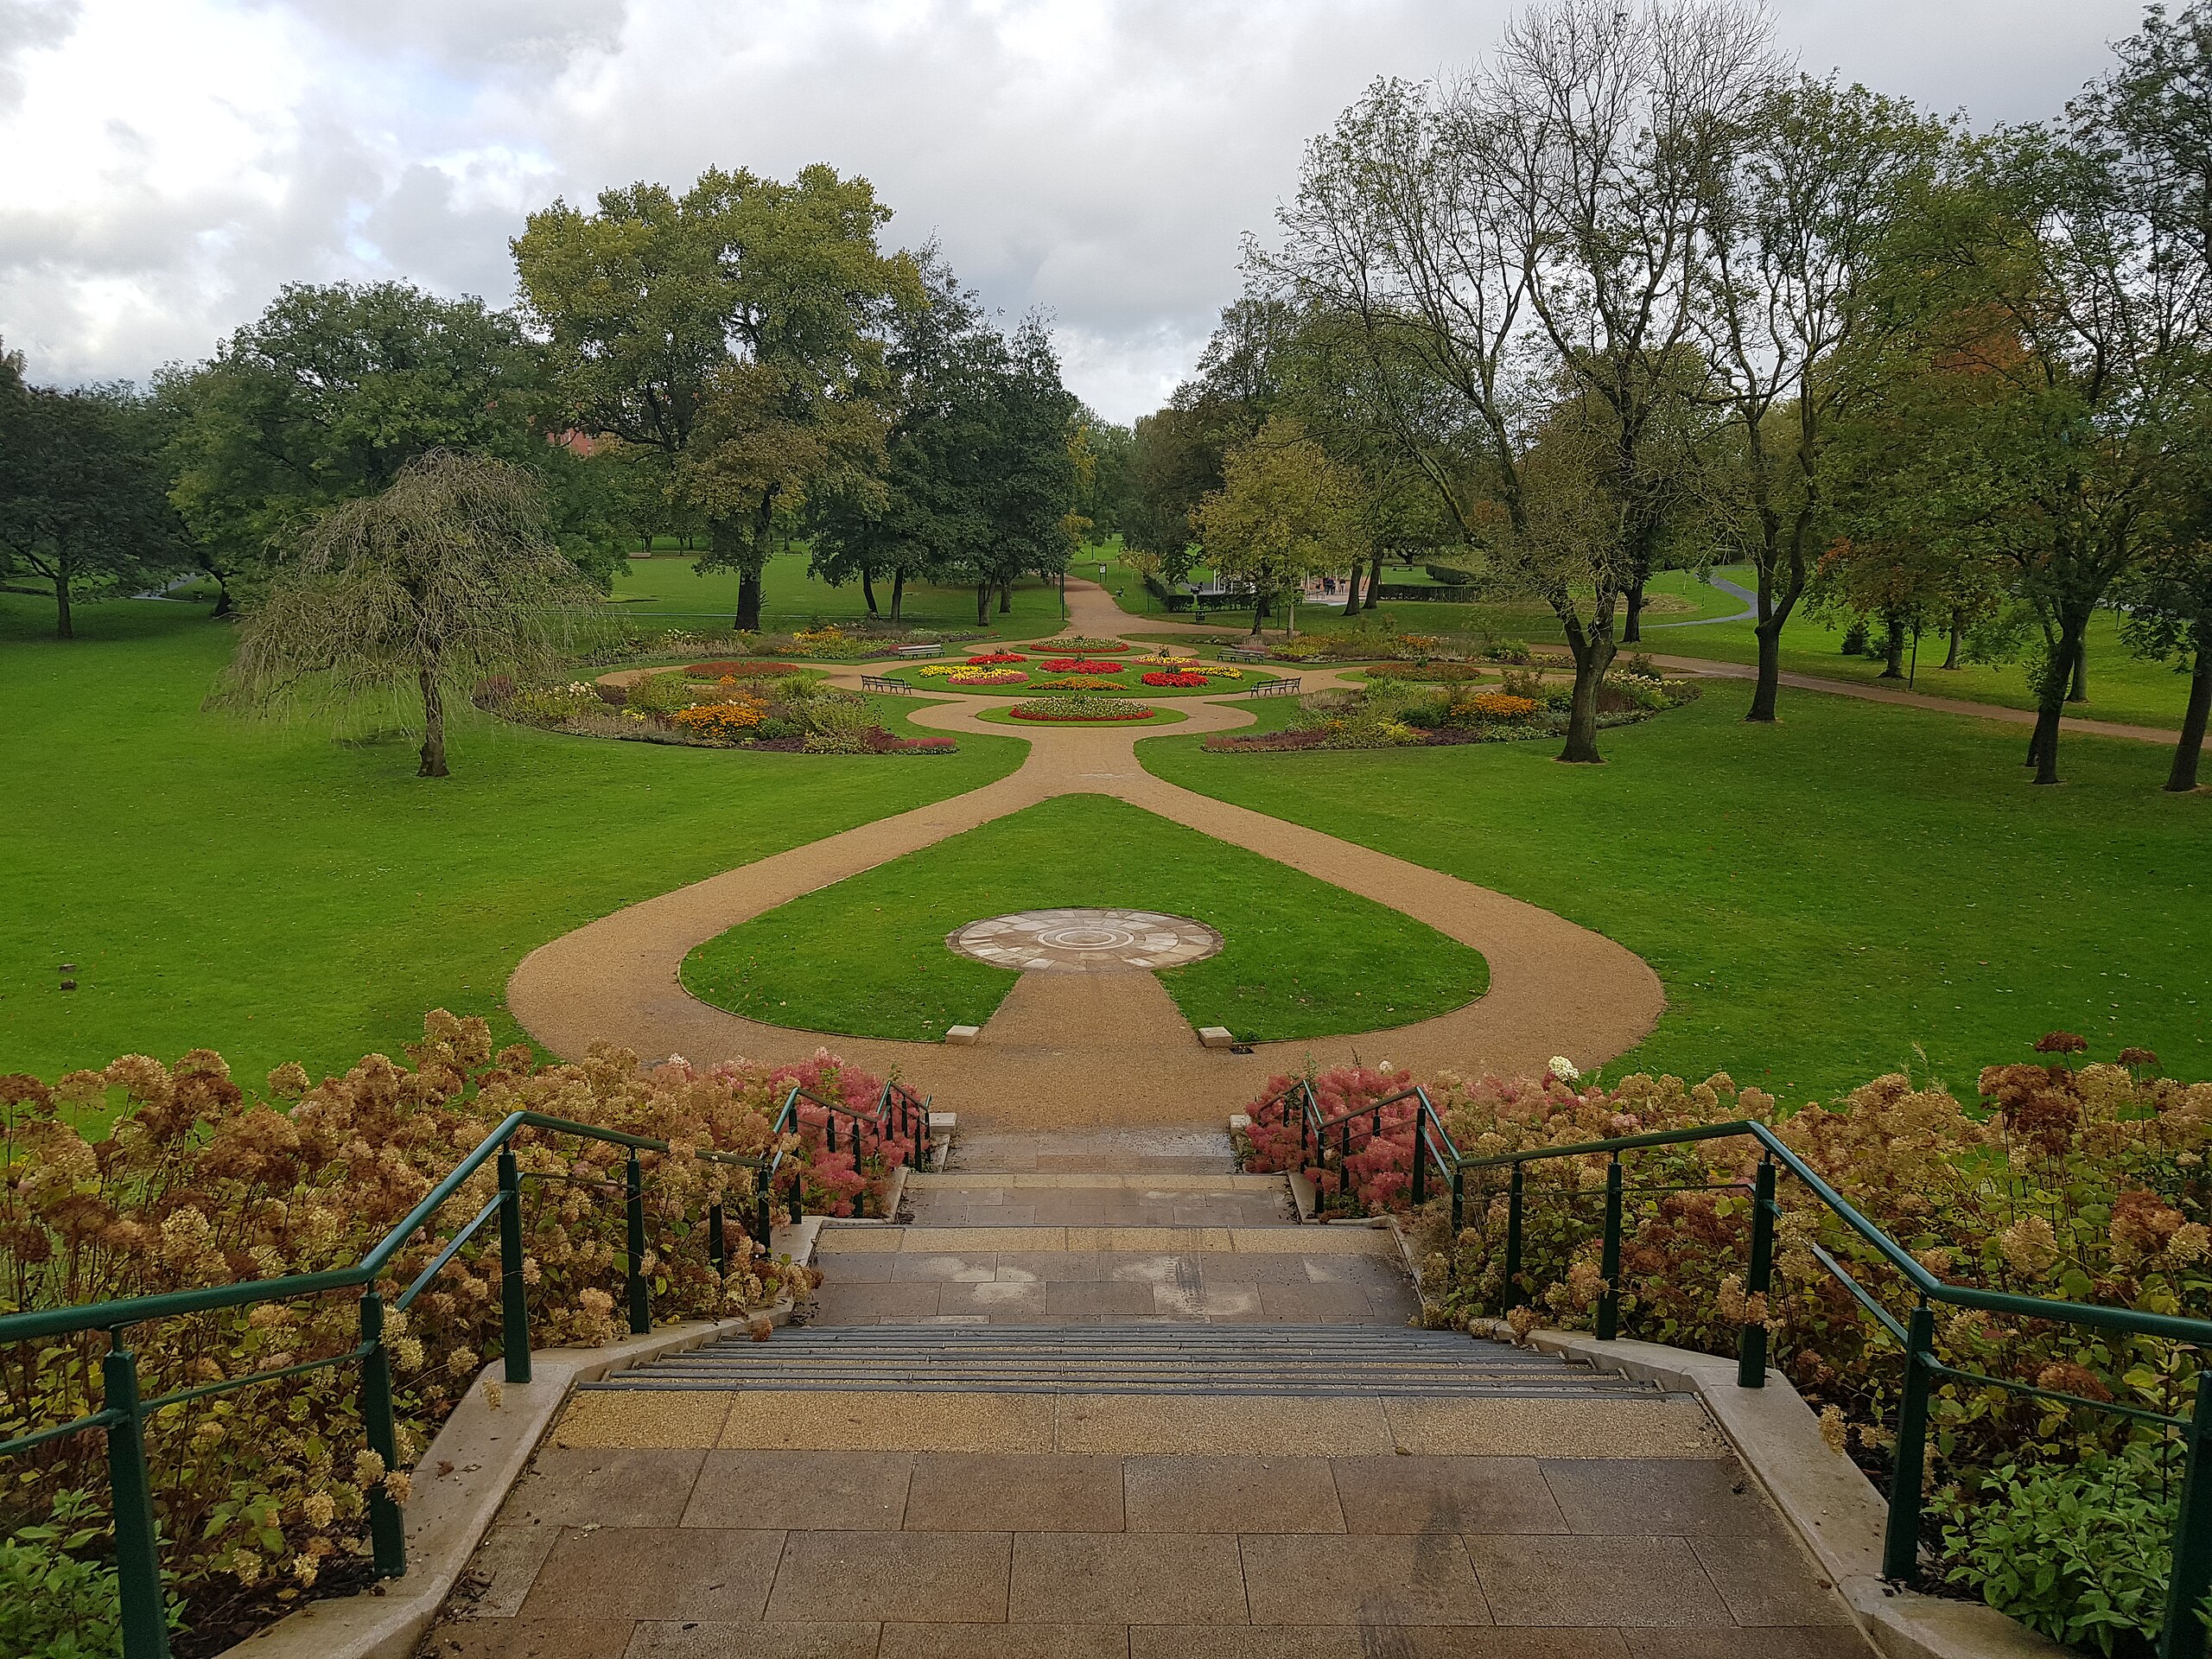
(1063, 1050)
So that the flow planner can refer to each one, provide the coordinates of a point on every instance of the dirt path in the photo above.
(1080, 1049)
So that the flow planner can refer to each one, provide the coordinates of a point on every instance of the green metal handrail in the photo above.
(899, 1110)
(2184, 1636)
(123, 1413)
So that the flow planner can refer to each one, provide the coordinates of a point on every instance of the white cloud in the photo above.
(1098, 158)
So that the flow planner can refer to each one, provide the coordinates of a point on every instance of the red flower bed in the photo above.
(1082, 666)
(992, 658)
(717, 670)
(1173, 677)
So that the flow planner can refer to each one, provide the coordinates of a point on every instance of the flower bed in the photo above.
(744, 669)
(988, 658)
(1175, 678)
(1081, 665)
(787, 714)
(2074, 1182)
(987, 676)
(1079, 682)
(261, 1495)
(1072, 647)
(1081, 708)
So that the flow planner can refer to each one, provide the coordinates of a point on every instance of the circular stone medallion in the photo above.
(1085, 941)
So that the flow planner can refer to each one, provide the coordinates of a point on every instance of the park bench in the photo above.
(932, 649)
(1244, 654)
(1275, 689)
(893, 688)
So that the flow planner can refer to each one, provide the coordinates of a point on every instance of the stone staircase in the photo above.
(1214, 1361)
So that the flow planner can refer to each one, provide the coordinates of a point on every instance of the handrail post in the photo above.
(641, 1295)
(386, 1533)
(514, 1299)
(1420, 1162)
(1900, 1539)
(717, 1250)
(1511, 1299)
(1751, 1343)
(137, 1555)
(1608, 1261)
(1459, 1200)
(2183, 1636)
(764, 1219)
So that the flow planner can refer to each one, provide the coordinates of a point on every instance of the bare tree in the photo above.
(1528, 240)
(448, 575)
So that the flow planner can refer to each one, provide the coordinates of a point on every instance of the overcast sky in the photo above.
(170, 163)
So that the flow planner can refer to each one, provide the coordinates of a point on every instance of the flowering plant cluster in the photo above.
(1086, 708)
(1070, 647)
(1175, 678)
(731, 722)
(989, 657)
(1494, 705)
(1079, 682)
(2074, 1182)
(774, 706)
(828, 640)
(1081, 665)
(743, 669)
(261, 1494)
(987, 676)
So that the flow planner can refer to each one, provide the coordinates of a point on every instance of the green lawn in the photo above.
(277, 895)
(1824, 900)
(668, 588)
(1300, 958)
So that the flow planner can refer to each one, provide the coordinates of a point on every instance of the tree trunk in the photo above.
(434, 727)
(898, 592)
(2190, 750)
(1351, 590)
(982, 604)
(2050, 697)
(64, 626)
(1768, 688)
(1958, 638)
(1006, 595)
(1259, 614)
(868, 593)
(2079, 690)
(1893, 667)
(748, 600)
(222, 606)
(1374, 580)
(1632, 632)
(1593, 654)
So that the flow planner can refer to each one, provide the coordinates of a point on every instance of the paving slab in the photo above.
(1100, 1577)
(1603, 1581)
(778, 1640)
(1004, 1642)
(1452, 1494)
(989, 1492)
(800, 1490)
(916, 1576)
(661, 1572)
(1423, 1578)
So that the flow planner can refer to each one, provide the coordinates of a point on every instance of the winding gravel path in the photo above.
(1087, 1048)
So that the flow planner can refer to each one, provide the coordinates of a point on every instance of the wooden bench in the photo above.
(932, 649)
(891, 688)
(1274, 689)
(1242, 654)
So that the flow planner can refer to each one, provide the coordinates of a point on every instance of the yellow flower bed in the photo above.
(723, 719)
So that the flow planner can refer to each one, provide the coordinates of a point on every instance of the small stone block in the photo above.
(1239, 1121)
(961, 1035)
(1217, 1037)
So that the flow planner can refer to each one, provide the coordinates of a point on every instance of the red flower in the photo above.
(1165, 678)
(995, 657)
(1082, 666)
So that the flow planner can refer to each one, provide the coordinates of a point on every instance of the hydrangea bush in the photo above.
(261, 1494)
(2074, 1181)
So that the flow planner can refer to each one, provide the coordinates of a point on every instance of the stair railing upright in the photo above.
(1433, 1143)
(123, 1413)
(898, 1115)
(2185, 1634)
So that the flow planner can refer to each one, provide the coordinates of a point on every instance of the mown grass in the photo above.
(867, 957)
(668, 590)
(276, 894)
(1859, 889)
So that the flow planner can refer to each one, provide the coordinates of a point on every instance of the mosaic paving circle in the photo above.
(1085, 941)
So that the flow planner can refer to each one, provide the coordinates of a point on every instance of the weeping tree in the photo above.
(448, 575)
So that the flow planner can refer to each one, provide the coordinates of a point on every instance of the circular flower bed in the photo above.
(1079, 682)
(1069, 647)
(1180, 678)
(990, 657)
(1081, 708)
(1081, 665)
(987, 676)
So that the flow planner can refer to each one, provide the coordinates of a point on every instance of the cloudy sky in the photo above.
(170, 163)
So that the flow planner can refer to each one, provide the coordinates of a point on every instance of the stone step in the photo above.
(922, 1239)
(1149, 1358)
(1162, 1181)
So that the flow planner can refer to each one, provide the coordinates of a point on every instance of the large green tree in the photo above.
(1285, 511)
(84, 509)
(334, 392)
(736, 329)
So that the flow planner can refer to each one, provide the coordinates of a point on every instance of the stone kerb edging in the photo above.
(1828, 1501)
(486, 1447)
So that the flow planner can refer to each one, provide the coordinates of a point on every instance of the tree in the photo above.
(84, 509)
(1524, 247)
(448, 575)
(1009, 505)
(1285, 511)
(1793, 236)
(331, 393)
(735, 329)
